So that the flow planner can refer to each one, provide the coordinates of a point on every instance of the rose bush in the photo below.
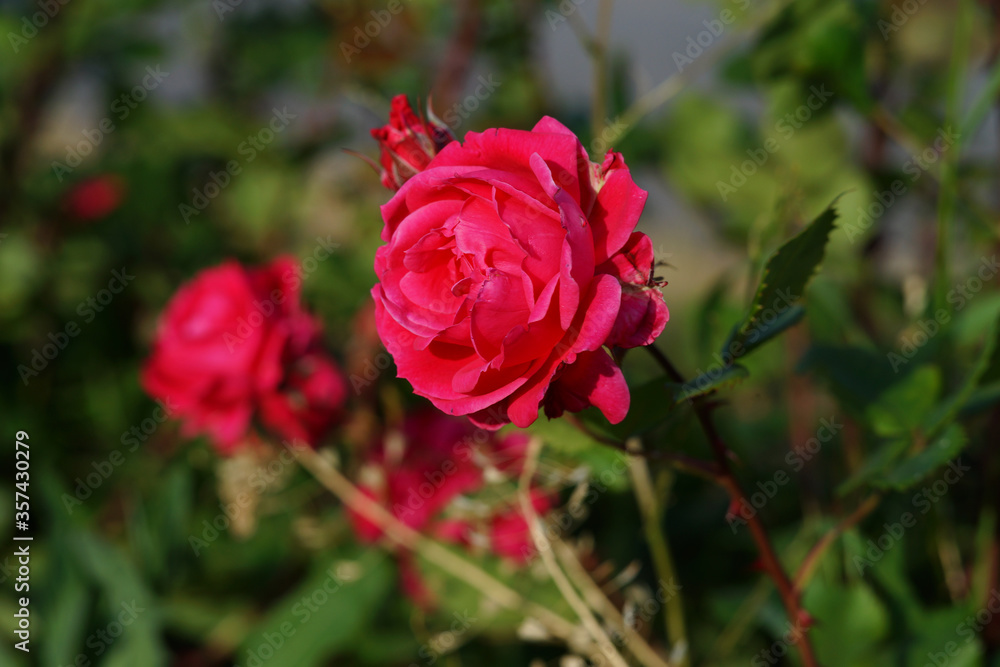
(233, 345)
(509, 264)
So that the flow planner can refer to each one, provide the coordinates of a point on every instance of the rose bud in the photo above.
(408, 143)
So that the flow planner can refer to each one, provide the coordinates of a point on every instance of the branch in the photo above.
(815, 554)
(412, 540)
(769, 559)
(544, 550)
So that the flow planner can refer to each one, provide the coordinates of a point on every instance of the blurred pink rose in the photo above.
(420, 472)
(234, 345)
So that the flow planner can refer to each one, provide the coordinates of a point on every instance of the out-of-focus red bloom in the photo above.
(419, 470)
(510, 535)
(96, 197)
(408, 142)
(433, 474)
(233, 346)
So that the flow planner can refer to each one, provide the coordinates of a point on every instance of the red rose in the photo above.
(510, 263)
(419, 473)
(234, 345)
(510, 535)
(95, 198)
(408, 142)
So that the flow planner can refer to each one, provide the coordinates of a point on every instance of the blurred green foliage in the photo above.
(147, 526)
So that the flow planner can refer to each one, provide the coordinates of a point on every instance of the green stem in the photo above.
(602, 37)
(949, 162)
(652, 523)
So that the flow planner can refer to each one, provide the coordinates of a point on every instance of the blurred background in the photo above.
(744, 119)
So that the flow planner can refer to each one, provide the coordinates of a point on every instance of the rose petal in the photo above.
(592, 380)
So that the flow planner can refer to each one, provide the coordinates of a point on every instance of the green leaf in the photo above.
(876, 463)
(782, 285)
(903, 408)
(123, 590)
(323, 615)
(850, 623)
(138, 646)
(65, 626)
(989, 364)
(708, 382)
(985, 373)
(916, 468)
(944, 633)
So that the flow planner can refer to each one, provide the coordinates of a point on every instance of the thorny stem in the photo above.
(725, 478)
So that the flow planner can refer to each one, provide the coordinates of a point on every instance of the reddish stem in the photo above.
(725, 478)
